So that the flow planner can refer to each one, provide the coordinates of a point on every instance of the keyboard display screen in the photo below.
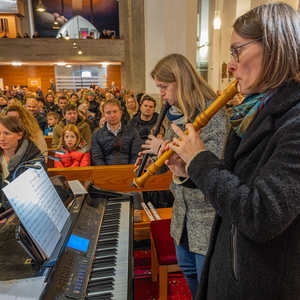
(78, 243)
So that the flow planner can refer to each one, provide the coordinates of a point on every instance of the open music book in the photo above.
(39, 208)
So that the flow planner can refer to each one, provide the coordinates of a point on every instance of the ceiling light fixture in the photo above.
(217, 20)
(79, 51)
(61, 64)
(74, 45)
(68, 66)
(17, 64)
(67, 36)
(40, 6)
(105, 64)
(55, 24)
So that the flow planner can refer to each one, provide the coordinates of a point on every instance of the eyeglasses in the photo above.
(234, 52)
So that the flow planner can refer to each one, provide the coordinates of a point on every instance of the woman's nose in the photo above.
(232, 66)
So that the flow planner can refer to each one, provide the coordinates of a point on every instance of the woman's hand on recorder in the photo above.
(139, 160)
(189, 144)
(152, 144)
(174, 163)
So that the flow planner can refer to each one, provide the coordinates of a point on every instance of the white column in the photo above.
(242, 6)
(170, 27)
(31, 22)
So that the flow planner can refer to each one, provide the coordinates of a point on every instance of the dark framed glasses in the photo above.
(234, 52)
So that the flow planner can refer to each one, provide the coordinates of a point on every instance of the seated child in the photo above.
(77, 151)
(41, 106)
(52, 120)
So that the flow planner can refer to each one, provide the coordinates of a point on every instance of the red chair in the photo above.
(163, 254)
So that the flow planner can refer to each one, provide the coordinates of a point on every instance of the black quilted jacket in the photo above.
(110, 150)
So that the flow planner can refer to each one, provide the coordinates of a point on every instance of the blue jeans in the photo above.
(190, 263)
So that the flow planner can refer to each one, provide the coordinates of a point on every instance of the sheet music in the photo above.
(77, 188)
(22, 289)
(39, 208)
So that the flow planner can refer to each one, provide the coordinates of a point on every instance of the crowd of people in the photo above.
(100, 132)
(105, 34)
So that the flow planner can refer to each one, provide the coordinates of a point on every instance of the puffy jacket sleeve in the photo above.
(135, 146)
(86, 134)
(85, 160)
(56, 136)
(96, 151)
(75, 163)
(58, 164)
(131, 123)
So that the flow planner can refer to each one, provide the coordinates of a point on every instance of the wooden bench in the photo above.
(114, 178)
(48, 140)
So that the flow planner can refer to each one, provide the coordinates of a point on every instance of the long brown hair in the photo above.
(192, 91)
(45, 98)
(14, 125)
(279, 27)
(73, 128)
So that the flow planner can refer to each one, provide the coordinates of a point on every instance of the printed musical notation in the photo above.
(39, 208)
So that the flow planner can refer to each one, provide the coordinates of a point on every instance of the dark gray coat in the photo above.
(143, 127)
(42, 121)
(120, 150)
(255, 241)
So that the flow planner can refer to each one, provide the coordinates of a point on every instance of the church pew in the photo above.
(48, 140)
(114, 178)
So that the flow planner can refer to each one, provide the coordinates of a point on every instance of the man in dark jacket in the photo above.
(39, 92)
(52, 85)
(114, 143)
(94, 105)
(62, 102)
(70, 116)
(32, 107)
(144, 120)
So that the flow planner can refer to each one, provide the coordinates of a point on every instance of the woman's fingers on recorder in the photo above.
(163, 148)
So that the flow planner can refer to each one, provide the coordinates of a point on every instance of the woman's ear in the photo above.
(20, 135)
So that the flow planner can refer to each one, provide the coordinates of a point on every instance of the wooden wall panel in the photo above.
(47, 73)
(114, 74)
(18, 75)
(6, 74)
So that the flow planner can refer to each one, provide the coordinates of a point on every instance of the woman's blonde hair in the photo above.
(73, 128)
(15, 125)
(132, 112)
(125, 98)
(278, 25)
(16, 101)
(27, 119)
(192, 90)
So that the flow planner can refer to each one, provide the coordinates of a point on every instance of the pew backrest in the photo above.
(114, 178)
